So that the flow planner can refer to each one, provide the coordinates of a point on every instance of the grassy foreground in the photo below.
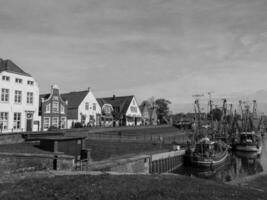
(124, 187)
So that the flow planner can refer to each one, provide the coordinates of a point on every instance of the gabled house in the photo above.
(19, 99)
(83, 109)
(126, 111)
(149, 114)
(106, 113)
(53, 110)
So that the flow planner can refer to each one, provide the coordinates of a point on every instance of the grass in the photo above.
(103, 149)
(109, 187)
(145, 131)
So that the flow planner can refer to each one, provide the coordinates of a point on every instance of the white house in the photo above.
(83, 108)
(19, 99)
(126, 111)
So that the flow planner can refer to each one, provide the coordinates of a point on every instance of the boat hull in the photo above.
(206, 163)
(246, 148)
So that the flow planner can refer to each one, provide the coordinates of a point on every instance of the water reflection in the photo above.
(238, 165)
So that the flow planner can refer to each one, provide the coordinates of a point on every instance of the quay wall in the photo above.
(154, 163)
(20, 162)
(10, 138)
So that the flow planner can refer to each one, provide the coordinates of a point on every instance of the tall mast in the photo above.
(254, 111)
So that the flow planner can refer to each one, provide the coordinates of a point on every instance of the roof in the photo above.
(74, 98)
(123, 102)
(9, 66)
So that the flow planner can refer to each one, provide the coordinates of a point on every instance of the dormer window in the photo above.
(30, 82)
(5, 78)
(18, 80)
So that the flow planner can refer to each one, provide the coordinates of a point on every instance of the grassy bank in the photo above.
(124, 187)
(102, 150)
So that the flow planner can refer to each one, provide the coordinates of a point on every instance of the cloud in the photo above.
(149, 48)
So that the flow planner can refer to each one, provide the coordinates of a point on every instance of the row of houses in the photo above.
(22, 108)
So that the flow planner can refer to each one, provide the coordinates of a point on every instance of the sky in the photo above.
(162, 48)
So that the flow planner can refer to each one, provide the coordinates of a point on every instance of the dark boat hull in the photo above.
(206, 163)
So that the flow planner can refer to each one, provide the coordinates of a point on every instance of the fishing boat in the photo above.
(207, 153)
(248, 142)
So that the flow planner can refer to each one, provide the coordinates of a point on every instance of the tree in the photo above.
(163, 110)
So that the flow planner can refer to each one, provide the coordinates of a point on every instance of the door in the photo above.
(29, 125)
(29, 122)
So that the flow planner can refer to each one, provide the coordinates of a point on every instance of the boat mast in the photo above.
(197, 113)
(210, 110)
(242, 116)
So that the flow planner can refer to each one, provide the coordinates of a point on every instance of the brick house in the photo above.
(53, 110)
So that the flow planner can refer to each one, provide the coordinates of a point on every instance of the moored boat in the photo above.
(248, 142)
(207, 154)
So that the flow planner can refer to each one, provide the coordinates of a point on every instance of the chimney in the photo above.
(89, 89)
(114, 97)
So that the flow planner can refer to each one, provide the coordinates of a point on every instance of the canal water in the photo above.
(238, 165)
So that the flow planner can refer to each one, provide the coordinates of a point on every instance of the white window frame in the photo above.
(46, 122)
(5, 78)
(55, 107)
(62, 109)
(4, 120)
(94, 106)
(53, 122)
(133, 109)
(29, 97)
(63, 122)
(30, 82)
(18, 80)
(5, 95)
(18, 96)
(48, 108)
(87, 106)
(17, 121)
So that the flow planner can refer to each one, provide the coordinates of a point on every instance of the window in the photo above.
(3, 121)
(5, 78)
(30, 82)
(18, 80)
(55, 107)
(18, 95)
(63, 123)
(94, 106)
(86, 106)
(133, 109)
(47, 108)
(5, 95)
(17, 120)
(29, 97)
(62, 109)
(46, 122)
(55, 121)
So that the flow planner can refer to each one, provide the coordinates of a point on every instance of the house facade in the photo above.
(83, 108)
(53, 110)
(126, 111)
(149, 114)
(106, 118)
(19, 99)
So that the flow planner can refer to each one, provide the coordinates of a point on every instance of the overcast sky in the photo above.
(161, 48)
